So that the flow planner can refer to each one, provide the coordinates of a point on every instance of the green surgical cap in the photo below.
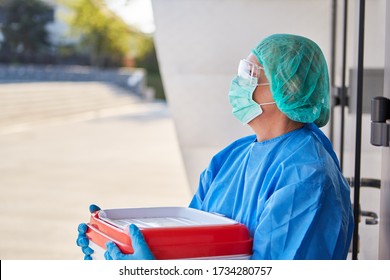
(296, 69)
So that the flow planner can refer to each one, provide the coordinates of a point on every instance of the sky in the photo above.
(134, 12)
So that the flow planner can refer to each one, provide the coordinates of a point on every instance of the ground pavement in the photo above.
(64, 146)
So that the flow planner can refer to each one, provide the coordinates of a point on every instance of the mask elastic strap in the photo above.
(263, 84)
(267, 103)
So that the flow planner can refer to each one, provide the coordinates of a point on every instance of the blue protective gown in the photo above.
(289, 192)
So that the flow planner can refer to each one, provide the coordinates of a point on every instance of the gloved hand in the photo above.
(82, 239)
(141, 248)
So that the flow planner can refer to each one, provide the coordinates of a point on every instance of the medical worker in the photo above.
(284, 182)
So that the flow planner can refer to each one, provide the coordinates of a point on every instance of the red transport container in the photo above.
(171, 233)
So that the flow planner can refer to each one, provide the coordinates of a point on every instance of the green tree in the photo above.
(103, 35)
(24, 27)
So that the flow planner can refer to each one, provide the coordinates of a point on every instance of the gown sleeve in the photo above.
(199, 196)
(205, 180)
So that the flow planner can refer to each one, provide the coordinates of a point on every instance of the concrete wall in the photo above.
(199, 44)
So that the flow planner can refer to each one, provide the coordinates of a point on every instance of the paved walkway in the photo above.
(52, 166)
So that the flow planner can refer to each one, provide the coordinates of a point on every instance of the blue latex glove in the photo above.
(141, 248)
(82, 239)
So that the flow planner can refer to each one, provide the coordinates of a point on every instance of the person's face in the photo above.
(272, 121)
(262, 93)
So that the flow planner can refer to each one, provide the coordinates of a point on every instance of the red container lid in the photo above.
(202, 234)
